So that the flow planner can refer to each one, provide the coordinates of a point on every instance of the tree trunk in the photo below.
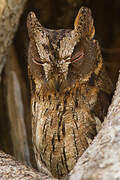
(10, 12)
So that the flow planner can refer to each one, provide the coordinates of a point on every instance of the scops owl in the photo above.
(70, 91)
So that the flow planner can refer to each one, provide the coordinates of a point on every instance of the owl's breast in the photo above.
(62, 126)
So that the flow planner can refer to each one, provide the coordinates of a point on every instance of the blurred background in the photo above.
(15, 116)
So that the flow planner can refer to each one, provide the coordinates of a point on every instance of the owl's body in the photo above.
(70, 91)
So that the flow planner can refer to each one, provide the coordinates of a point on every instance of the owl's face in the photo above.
(59, 58)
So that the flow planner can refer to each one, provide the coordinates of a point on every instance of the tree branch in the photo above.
(12, 169)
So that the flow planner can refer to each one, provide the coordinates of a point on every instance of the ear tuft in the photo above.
(32, 24)
(83, 24)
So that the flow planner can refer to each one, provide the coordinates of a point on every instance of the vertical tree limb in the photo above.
(16, 110)
(10, 12)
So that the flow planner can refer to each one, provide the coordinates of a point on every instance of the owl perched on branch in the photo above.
(70, 91)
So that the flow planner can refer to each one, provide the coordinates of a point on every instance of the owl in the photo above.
(70, 91)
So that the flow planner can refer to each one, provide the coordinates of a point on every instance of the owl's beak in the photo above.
(55, 84)
(58, 84)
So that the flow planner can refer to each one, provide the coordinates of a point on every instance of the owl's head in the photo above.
(59, 58)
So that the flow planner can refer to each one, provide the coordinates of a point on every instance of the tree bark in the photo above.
(101, 161)
(10, 12)
(12, 169)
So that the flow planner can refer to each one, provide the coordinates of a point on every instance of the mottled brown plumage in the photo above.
(70, 91)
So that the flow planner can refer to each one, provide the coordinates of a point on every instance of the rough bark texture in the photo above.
(10, 169)
(101, 161)
(10, 12)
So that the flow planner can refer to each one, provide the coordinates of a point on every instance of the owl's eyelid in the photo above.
(77, 57)
(40, 63)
